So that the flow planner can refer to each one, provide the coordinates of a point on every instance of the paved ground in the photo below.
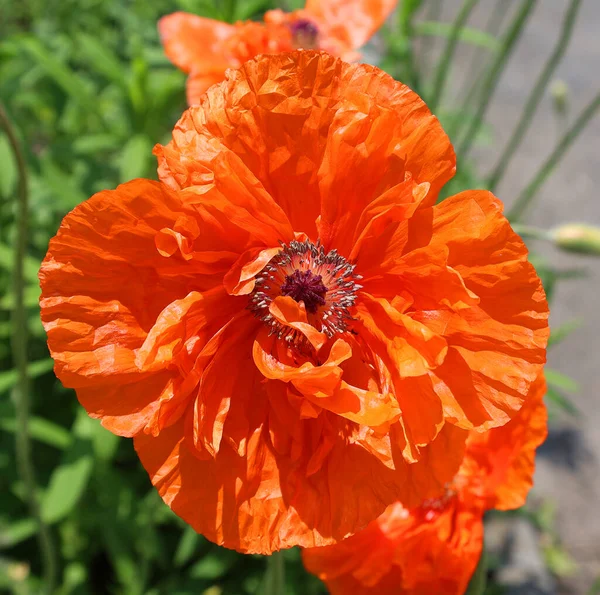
(569, 468)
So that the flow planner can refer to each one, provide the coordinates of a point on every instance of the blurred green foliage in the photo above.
(89, 92)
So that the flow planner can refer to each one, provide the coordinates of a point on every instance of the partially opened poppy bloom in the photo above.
(204, 48)
(435, 547)
(291, 329)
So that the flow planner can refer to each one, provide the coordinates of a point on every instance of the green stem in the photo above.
(534, 233)
(478, 581)
(536, 95)
(472, 72)
(19, 341)
(433, 12)
(528, 194)
(443, 67)
(275, 575)
(408, 57)
(493, 76)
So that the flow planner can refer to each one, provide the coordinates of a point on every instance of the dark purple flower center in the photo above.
(305, 34)
(305, 286)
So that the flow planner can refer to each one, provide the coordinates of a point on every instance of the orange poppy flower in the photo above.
(204, 48)
(293, 332)
(435, 547)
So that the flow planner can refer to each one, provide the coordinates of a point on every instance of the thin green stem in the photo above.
(443, 68)
(433, 12)
(528, 194)
(275, 575)
(19, 341)
(493, 76)
(472, 71)
(408, 57)
(534, 233)
(536, 95)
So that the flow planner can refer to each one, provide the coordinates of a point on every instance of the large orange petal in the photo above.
(499, 464)
(408, 350)
(123, 309)
(382, 136)
(198, 46)
(430, 549)
(350, 24)
(217, 179)
(497, 347)
(256, 495)
(331, 128)
(248, 471)
(462, 272)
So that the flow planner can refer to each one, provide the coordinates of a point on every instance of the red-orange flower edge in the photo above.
(204, 48)
(435, 547)
(291, 329)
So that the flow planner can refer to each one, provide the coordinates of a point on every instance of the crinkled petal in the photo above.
(191, 41)
(308, 117)
(351, 24)
(198, 46)
(408, 351)
(500, 463)
(308, 378)
(292, 314)
(121, 315)
(262, 497)
(406, 552)
(498, 346)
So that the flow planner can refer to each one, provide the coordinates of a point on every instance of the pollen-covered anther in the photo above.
(324, 282)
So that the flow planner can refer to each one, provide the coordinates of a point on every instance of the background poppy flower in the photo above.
(293, 332)
(204, 48)
(435, 547)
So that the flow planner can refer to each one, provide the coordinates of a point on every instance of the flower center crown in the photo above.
(324, 282)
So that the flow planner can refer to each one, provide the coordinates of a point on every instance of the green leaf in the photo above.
(102, 59)
(16, 532)
(70, 479)
(42, 430)
(479, 579)
(559, 560)
(63, 185)
(205, 8)
(122, 559)
(558, 380)
(135, 157)
(9, 378)
(104, 442)
(187, 546)
(213, 565)
(560, 333)
(467, 34)
(248, 8)
(95, 143)
(71, 83)
(32, 265)
(31, 298)
(560, 401)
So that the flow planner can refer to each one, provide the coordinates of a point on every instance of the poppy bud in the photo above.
(578, 237)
